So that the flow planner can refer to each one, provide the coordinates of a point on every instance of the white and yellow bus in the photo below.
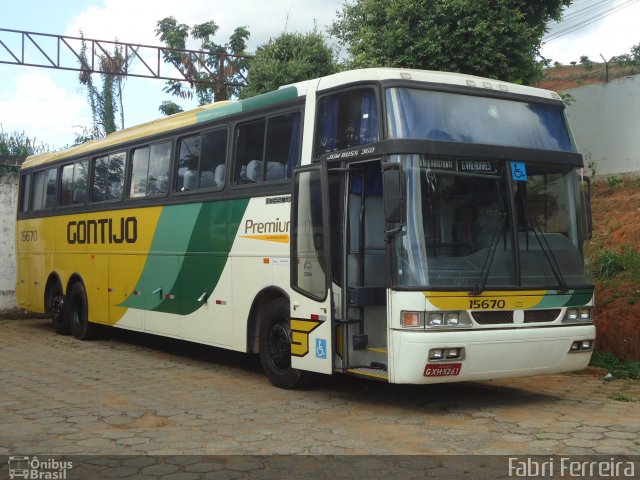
(407, 226)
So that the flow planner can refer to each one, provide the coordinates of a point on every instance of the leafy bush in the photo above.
(611, 363)
(614, 182)
(608, 264)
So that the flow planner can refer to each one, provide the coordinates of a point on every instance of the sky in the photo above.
(50, 105)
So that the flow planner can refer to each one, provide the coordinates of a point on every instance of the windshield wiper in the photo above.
(548, 253)
(488, 261)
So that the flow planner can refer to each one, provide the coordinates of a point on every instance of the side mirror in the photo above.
(586, 202)
(394, 194)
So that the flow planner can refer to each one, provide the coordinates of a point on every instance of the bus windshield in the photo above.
(459, 229)
(433, 115)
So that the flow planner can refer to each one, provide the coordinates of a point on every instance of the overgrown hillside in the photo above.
(615, 254)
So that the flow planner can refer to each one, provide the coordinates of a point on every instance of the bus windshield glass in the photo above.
(459, 228)
(434, 115)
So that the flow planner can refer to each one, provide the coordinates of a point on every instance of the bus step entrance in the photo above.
(375, 373)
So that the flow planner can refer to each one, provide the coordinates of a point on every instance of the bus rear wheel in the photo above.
(77, 314)
(275, 346)
(56, 308)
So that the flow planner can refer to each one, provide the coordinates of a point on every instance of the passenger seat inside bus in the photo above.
(207, 179)
(79, 195)
(190, 180)
(275, 171)
(219, 175)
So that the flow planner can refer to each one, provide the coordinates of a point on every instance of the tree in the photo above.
(106, 100)
(225, 63)
(631, 59)
(492, 38)
(588, 64)
(18, 144)
(288, 58)
(167, 107)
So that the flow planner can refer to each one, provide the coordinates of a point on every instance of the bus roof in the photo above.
(225, 108)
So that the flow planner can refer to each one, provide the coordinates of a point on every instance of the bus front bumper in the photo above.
(487, 354)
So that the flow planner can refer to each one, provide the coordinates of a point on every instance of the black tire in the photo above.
(56, 307)
(77, 311)
(275, 346)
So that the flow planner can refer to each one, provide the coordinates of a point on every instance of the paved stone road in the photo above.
(135, 394)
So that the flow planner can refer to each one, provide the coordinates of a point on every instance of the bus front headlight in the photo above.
(447, 320)
(578, 315)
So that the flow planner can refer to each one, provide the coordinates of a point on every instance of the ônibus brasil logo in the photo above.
(33, 468)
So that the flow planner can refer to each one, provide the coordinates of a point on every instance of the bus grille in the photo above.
(539, 316)
(499, 317)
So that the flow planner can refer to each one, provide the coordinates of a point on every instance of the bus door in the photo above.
(311, 313)
(364, 320)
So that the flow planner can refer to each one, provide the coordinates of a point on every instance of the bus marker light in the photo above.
(452, 353)
(412, 319)
(315, 316)
(265, 261)
(436, 354)
(169, 296)
(581, 346)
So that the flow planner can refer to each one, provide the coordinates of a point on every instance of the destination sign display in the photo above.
(482, 167)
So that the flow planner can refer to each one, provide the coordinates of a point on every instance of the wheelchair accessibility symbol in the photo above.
(321, 348)
(519, 171)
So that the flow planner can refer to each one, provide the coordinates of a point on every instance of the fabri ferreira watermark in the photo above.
(555, 467)
(38, 469)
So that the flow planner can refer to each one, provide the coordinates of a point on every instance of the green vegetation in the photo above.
(621, 397)
(18, 144)
(497, 39)
(227, 62)
(288, 58)
(609, 263)
(614, 182)
(611, 363)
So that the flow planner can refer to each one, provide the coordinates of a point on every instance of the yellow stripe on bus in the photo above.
(489, 300)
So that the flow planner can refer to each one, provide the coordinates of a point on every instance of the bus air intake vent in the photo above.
(499, 317)
(540, 316)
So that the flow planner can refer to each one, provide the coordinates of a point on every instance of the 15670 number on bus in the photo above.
(29, 235)
(486, 304)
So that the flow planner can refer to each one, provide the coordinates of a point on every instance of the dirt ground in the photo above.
(616, 226)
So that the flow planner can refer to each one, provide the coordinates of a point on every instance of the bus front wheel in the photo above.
(77, 314)
(275, 346)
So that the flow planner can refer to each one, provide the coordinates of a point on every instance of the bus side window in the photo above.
(213, 158)
(44, 189)
(73, 185)
(346, 119)
(150, 170)
(25, 193)
(283, 145)
(281, 149)
(188, 161)
(201, 161)
(108, 178)
(249, 149)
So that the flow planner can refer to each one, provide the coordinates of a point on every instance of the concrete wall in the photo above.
(605, 120)
(8, 205)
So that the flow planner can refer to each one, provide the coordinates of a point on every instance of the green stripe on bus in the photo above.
(574, 298)
(205, 233)
(259, 101)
